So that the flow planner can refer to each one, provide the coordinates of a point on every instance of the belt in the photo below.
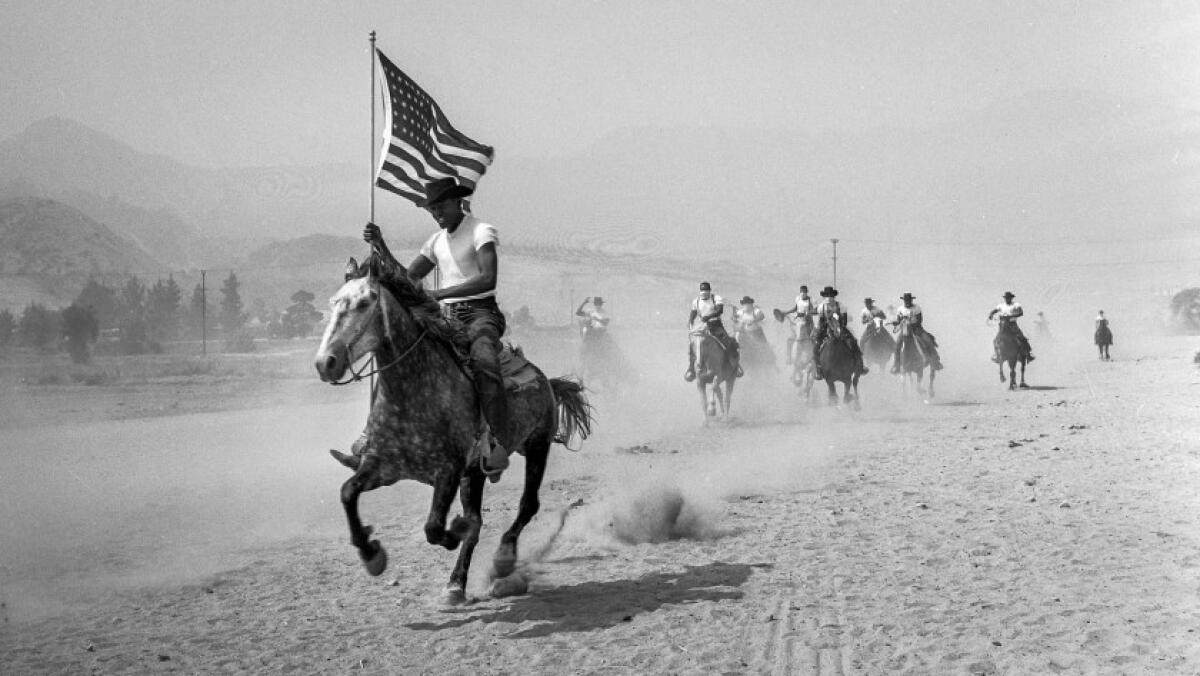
(489, 302)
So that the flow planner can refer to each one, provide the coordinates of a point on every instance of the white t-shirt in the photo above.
(1007, 310)
(911, 312)
(596, 319)
(704, 307)
(748, 317)
(805, 311)
(456, 256)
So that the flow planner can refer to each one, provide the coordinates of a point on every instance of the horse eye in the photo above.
(373, 295)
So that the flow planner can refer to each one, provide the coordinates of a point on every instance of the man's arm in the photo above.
(717, 311)
(993, 312)
(483, 282)
(579, 311)
(692, 317)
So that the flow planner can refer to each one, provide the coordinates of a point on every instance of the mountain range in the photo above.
(1049, 167)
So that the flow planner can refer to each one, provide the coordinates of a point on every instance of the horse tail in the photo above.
(572, 411)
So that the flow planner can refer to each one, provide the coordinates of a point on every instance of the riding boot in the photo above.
(790, 345)
(690, 374)
(736, 358)
(995, 353)
(818, 374)
(495, 412)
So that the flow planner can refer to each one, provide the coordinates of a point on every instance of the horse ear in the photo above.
(351, 269)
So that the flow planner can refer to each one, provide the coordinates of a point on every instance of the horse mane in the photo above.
(425, 311)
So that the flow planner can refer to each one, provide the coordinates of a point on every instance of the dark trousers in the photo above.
(484, 325)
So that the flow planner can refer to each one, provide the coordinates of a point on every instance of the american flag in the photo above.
(424, 146)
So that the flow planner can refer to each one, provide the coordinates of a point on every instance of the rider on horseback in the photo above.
(910, 312)
(464, 253)
(1009, 310)
(869, 314)
(595, 321)
(802, 325)
(827, 312)
(709, 307)
(748, 318)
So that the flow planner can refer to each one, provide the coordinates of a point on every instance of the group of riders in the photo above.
(464, 253)
(818, 322)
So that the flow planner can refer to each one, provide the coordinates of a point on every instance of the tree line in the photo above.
(136, 318)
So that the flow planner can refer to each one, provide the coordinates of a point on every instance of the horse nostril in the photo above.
(330, 363)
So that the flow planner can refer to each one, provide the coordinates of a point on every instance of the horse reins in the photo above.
(356, 376)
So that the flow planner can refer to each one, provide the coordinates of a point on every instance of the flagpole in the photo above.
(372, 383)
(372, 126)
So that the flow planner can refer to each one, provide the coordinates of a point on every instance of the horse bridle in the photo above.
(356, 376)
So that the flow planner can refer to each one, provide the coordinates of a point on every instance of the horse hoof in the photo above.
(511, 585)
(453, 595)
(376, 561)
(1024, 386)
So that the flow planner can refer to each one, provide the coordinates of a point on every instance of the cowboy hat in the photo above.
(907, 296)
(597, 300)
(705, 286)
(828, 292)
(868, 299)
(1009, 294)
(443, 189)
(747, 300)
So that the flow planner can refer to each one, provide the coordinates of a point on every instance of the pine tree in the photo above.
(38, 327)
(162, 309)
(79, 329)
(103, 302)
(232, 317)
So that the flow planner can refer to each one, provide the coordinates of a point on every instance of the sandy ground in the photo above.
(1052, 530)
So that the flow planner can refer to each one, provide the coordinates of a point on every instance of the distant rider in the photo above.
(1009, 311)
(802, 324)
(911, 313)
(595, 319)
(708, 308)
(828, 312)
(870, 314)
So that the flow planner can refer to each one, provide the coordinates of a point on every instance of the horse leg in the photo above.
(833, 396)
(932, 375)
(729, 394)
(1012, 375)
(373, 555)
(852, 399)
(1001, 371)
(435, 523)
(1023, 385)
(504, 561)
(466, 529)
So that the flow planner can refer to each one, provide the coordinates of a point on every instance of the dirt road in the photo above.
(1054, 530)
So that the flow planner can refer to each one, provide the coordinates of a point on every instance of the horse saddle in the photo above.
(516, 371)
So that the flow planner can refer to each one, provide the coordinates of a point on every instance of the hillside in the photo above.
(45, 238)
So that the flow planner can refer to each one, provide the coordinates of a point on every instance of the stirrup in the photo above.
(1030, 357)
(689, 375)
(995, 359)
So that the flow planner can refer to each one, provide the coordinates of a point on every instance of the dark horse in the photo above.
(1009, 347)
(913, 360)
(877, 344)
(839, 364)
(425, 423)
(715, 375)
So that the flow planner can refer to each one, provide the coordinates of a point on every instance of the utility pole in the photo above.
(834, 240)
(203, 315)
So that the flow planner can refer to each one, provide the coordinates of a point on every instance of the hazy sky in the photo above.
(221, 83)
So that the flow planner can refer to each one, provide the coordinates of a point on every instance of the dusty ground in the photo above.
(1054, 530)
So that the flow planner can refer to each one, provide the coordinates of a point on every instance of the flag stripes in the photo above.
(423, 146)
